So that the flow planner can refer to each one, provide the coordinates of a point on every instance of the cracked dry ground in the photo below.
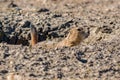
(96, 58)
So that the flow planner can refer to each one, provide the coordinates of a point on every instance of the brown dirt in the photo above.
(96, 58)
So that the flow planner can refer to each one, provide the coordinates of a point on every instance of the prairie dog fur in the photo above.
(34, 35)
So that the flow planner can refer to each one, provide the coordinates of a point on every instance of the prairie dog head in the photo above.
(33, 30)
(75, 35)
(34, 35)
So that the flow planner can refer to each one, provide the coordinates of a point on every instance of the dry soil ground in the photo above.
(96, 58)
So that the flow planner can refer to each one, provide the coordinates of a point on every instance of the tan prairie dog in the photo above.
(34, 35)
(74, 37)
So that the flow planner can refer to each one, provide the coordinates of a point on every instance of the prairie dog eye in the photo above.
(80, 29)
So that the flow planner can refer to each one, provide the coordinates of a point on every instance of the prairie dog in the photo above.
(34, 36)
(74, 37)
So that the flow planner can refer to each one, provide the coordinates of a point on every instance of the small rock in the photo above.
(18, 67)
(6, 55)
(13, 40)
(57, 15)
(106, 29)
(40, 59)
(60, 75)
(43, 10)
(1, 25)
(32, 75)
(83, 61)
